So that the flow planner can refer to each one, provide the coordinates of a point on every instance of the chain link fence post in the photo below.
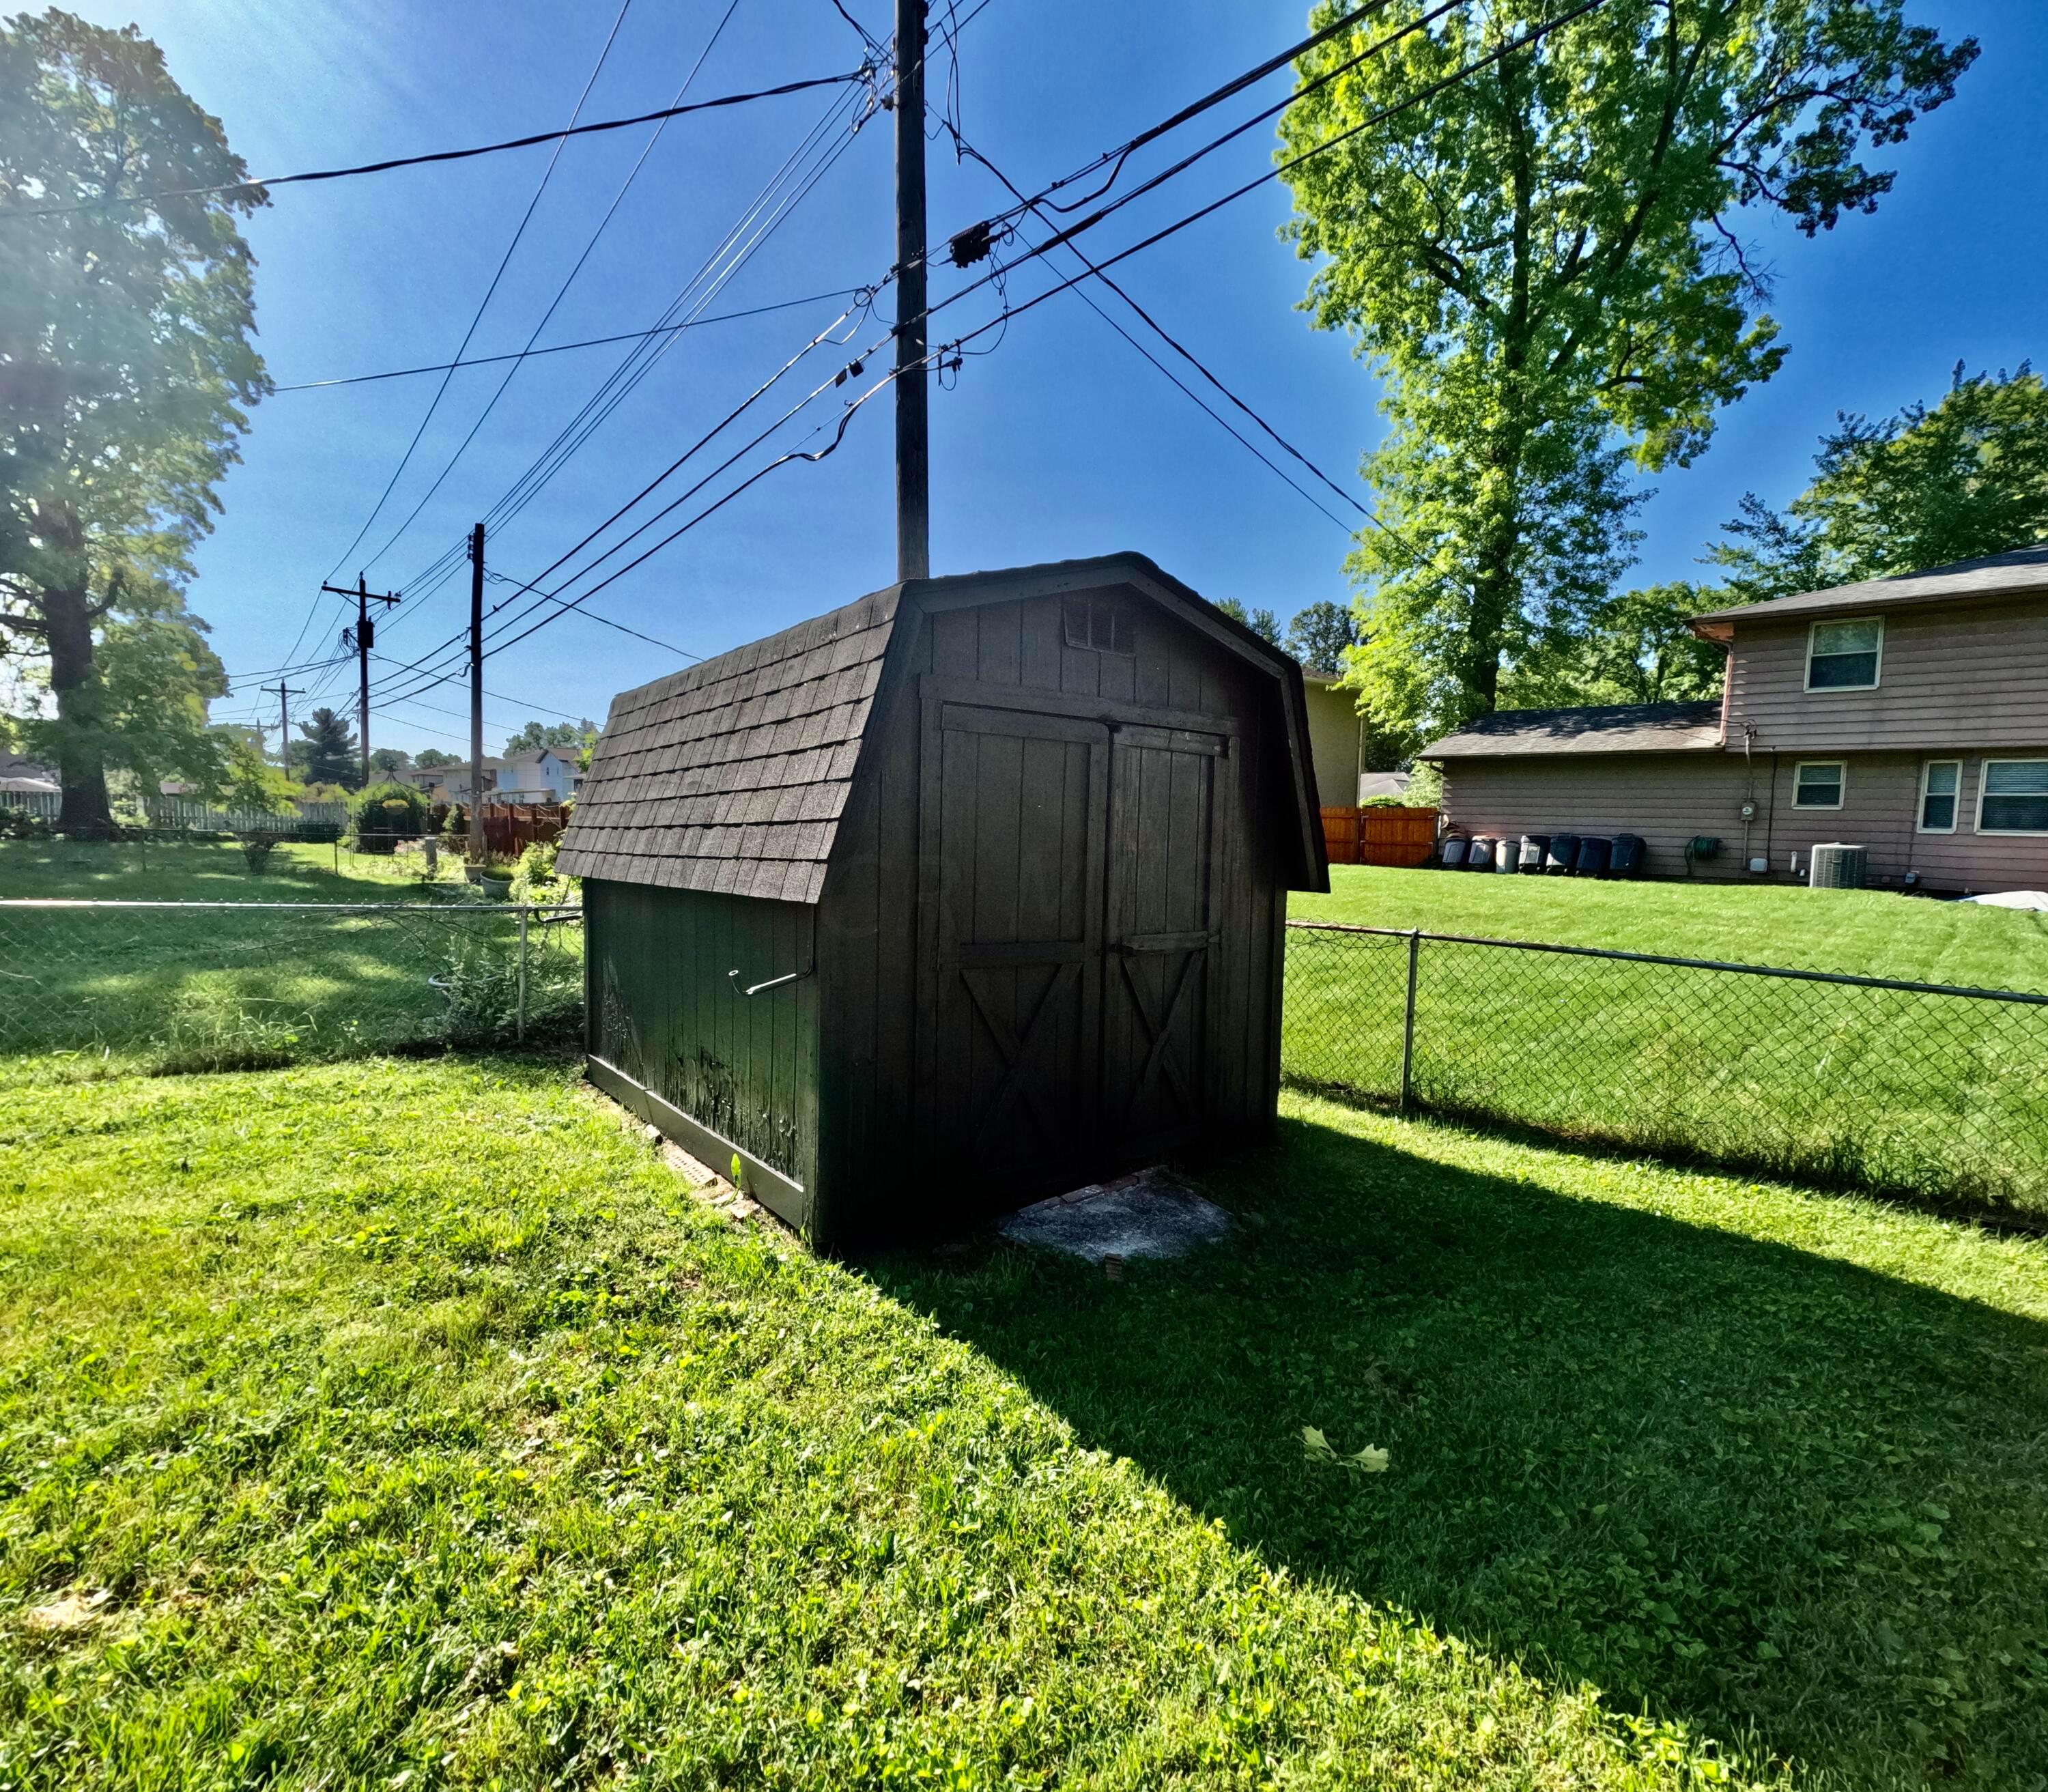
(1408, 1023)
(525, 915)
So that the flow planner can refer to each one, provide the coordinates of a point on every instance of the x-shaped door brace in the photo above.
(1160, 1026)
(1017, 1050)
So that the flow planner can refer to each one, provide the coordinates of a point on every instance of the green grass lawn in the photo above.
(87, 991)
(338, 1449)
(212, 871)
(1938, 1097)
(1866, 932)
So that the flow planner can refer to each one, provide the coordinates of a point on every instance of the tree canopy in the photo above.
(327, 752)
(1542, 263)
(562, 736)
(1919, 489)
(1321, 635)
(126, 333)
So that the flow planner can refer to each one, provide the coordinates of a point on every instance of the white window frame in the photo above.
(1841, 783)
(1920, 812)
(1876, 672)
(1983, 781)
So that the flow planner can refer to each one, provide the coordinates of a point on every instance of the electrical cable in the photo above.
(562, 292)
(635, 365)
(563, 347)
(441, 155)
(505, 261)
(592, 616)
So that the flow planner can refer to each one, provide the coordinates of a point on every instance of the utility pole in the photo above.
(476, 695)
(913, 446)
(286, 693)
(362, 639)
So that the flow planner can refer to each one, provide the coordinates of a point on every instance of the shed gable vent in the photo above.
(1100, 623)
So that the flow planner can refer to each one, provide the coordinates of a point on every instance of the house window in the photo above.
(1940, 780)
(1818, 785)
(2013, 798)
(1101, 624)
(1844, 656)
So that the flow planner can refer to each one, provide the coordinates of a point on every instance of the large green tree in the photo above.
(326, 753)
(562, 736)
(1923, 487)
(1541, 262)
(125, 357)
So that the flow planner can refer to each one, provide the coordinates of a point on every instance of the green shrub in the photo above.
(382, 815)
(535, 879)
(257, 850)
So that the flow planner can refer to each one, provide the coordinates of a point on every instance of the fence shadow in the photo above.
(1789, 1500)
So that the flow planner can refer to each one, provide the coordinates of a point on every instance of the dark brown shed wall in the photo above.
(1957, 676)
(667, 1011)
(868, 931)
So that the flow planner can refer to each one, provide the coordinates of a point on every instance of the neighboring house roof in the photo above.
(34, 785)
(2022, 571)
(731, 775)
(13, 765)
(1382, 784)
(1622, 727)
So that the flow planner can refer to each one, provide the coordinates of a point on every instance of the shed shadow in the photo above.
(1794, 1501)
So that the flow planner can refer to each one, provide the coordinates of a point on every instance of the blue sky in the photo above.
(1062, 442)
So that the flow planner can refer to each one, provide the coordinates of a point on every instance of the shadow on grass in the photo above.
(1798, 1503)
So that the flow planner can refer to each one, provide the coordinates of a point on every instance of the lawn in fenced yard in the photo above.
(337, 1448)
(1937, 1096)
(88, 990)
(1864, 933)
(212, 871)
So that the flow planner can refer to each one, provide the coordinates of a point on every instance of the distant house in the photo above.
(1908, 714)
(544, 776)
(27, 777)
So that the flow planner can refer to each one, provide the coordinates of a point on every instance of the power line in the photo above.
(561, 292)
(592, 616)
(635, 366)
(442, 155)
(563, 347)
(505, 261)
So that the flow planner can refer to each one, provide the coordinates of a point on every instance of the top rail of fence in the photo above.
(478, 907)
(1686, 964)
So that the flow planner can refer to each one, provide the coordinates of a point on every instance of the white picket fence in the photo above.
(183, 812)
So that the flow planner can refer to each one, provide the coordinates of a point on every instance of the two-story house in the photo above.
(1908, 714)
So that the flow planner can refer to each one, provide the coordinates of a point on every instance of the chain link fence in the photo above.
(1924, 1088)
(87, 986)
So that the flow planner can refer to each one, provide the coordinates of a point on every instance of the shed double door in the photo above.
(1069, 894)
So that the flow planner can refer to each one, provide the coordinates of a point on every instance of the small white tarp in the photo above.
(2012, 899)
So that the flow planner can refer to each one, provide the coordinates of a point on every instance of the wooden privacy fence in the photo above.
(1379, 834)
(510, 828)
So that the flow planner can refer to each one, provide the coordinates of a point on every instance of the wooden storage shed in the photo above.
(968, 892)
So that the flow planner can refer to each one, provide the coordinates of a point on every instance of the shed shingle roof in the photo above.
(1621, 727)
(730, 777)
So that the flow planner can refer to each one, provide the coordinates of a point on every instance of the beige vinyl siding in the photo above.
(1333, 741)
(1668, 797)
(1665, 797)
(1955, 677)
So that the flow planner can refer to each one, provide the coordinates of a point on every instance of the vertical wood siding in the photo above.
(665, 1010)
(876, 1169)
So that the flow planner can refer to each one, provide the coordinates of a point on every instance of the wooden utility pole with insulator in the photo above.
(360, 639)
(914, 448)
(286, 693)
(476, 695)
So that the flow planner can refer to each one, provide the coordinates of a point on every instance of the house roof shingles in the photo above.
(2017, 573)
(730, 777)
(1626, 727)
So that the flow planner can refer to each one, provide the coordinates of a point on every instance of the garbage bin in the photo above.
(1563, 853)
(1479, 856)
(1507, 852)
(1533, 846)
(1626, 860)
(1593, 854)
(1454, 851)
